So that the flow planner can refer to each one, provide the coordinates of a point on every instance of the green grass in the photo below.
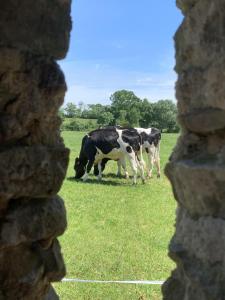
(116, 231)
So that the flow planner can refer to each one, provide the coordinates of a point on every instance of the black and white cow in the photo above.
(151, 144)
(150, 139)
(110, 143)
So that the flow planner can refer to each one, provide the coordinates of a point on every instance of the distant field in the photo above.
(84, 121)
(116, 231)
(81, 124)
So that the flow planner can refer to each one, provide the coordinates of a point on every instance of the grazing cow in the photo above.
(109, 143)
(150, 139)
(151, 144)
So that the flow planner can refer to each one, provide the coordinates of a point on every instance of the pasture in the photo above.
(116, 231)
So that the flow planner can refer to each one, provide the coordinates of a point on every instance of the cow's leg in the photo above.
(157, 161)
(88, 169)
(100, 170)
(123, 163)
(140, 163)
(119, 163)
(85, 176)
(134, 165)
(150, 164)
(141, 167)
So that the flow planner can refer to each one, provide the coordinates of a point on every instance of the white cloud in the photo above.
(145, 81)
(156, 81)
(95, 81)
(88, 95)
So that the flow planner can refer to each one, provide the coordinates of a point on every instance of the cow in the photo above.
(109, 143)
(151, 144)
(150, 139)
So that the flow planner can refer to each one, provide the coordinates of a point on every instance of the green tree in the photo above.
(164, 116)
(95, 110)
(146, 114)
(71, 110)
(133, 117)
(61, 114)
(124, 100)
(105, 119)
(122, 119)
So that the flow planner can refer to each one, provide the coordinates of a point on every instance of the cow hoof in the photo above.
(143, 181)
(158, 176)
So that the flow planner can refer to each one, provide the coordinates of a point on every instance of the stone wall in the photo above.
(33, 159)
(197, 166)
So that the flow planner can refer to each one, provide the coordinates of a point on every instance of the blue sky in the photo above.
(121, 44)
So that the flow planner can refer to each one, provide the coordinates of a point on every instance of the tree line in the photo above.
(126, 110)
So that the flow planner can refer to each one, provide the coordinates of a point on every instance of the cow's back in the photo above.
(105, 139)
(150, 136)
(132, 138)
(155, 136)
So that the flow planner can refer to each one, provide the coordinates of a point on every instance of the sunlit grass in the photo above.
(116, 231)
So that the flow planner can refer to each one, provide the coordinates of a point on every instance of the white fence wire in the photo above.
(149, 282)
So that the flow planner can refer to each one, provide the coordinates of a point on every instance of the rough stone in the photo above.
(186, 5)
(197, 165)
(35, 170)
(44, 26)
(28, 276)
(33, 158)
(208, 199)
(46, 219)
(204, 121)
(203, 237)
(41, 99)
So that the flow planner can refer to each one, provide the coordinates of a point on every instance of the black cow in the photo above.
(110, 143)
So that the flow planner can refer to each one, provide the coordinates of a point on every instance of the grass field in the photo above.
(80, 124)
(80, 120)
(116, 231)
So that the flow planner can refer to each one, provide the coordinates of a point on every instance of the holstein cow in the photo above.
(110, 143)
(151, 143)
(150, 139)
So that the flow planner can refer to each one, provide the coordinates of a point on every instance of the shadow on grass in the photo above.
(113, 175)
(95, 181)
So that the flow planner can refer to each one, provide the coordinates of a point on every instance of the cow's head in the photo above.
(79, 168)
